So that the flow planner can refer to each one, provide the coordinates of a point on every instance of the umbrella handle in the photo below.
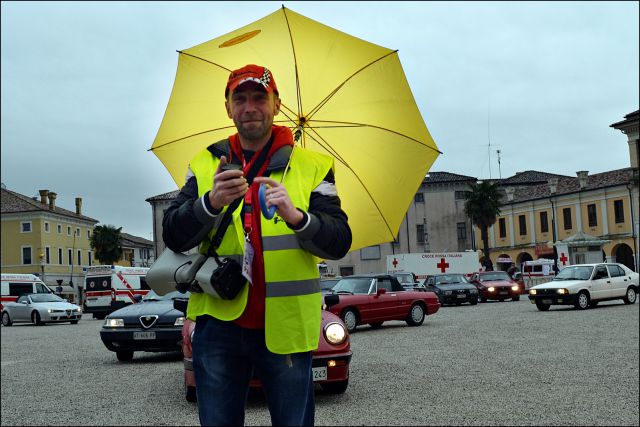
(268, 212)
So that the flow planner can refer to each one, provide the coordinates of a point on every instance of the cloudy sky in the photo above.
(85, 86)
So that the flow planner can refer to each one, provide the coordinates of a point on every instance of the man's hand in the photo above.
(227, 186)
(276, 195)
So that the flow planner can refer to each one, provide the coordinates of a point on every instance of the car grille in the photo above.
(545, 292)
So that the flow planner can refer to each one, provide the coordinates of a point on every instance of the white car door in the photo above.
(600, 283)
(21, 308)
(619, 282)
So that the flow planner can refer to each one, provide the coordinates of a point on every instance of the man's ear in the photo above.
(277, 104)
(226, 105)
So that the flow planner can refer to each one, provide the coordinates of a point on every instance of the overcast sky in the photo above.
(85, 86)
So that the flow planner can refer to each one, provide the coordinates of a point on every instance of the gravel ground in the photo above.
(497, 363)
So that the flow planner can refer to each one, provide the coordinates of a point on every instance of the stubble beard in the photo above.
(255, 133)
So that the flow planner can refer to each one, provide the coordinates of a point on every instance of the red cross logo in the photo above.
(563, 258)
(395, 263)
(442, 265)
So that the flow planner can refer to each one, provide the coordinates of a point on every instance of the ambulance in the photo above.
(537, 271)
(426, 264)
(14, 285)
(110, 287)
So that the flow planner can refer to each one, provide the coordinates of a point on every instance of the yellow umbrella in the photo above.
(340, 95)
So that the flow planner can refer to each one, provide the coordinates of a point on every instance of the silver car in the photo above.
(40, 309)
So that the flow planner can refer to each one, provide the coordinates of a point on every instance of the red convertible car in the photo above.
(496, 285)
(375, 298)
(330, 364)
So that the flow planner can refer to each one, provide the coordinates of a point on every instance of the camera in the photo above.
(222, 280)
(231, 167)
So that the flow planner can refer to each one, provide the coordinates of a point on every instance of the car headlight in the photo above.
(515, 287)
(335, 333)
(179, 321)
(563, 291)
(491, 289)
(113, 323)
(532, 291)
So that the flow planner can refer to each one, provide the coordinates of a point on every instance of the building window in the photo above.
(502, 226)
(46, 227)
(372, 252)
(60, 260)
(70, 256)
(88, 234)
(59, 229)
(566, 216)
(78, 232)
(89, 257)
(68, 230)
(419, 198)
(618, 211)
(461, 228)
(79, 257)
(26, 255)
(544, 222)
(459, 195)
(522, 222)
(346, 271)
(47, 254)
(25, 227)
(420, 233)
(593, 216)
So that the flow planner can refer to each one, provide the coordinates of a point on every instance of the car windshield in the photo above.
(152, 296)
(448, 279)
(328, 284)
(46, 298)
(494, 275)
(405, 278)
(582, 272)
(358, 285)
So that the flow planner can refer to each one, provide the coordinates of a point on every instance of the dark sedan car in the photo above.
(452, 289)
(496, 285)
(150, 325)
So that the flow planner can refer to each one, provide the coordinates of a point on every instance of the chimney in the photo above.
(582, 178)
(78, 206)
(52, 200)
(43, 196)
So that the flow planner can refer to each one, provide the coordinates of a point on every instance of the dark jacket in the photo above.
(188, 219)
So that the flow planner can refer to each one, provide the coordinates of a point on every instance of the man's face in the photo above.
(252, 110)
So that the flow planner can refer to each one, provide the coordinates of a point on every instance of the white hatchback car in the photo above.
(584, 285)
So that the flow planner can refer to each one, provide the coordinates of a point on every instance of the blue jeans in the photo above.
(224, 358)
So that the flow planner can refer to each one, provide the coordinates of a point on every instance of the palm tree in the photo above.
(482, 205)
(106, 243)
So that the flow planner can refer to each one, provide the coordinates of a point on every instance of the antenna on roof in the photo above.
(499, 171)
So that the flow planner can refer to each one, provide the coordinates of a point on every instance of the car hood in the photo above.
(455, 286)
(557, 284)
(499, 283)
(59, 305)
(161, 308)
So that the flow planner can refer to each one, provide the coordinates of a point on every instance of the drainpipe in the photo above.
(633, 228)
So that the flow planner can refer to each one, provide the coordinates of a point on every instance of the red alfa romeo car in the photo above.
(496, 285)
(376, 298)
(330, 363)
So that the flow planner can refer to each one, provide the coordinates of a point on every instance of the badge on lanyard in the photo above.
(247, 261)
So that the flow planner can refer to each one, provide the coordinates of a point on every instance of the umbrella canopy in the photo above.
(340, 95)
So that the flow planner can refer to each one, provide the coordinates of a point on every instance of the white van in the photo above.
(537, 271)
(110, 287)
(14, 285)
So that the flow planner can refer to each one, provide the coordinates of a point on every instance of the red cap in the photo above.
(251, 73)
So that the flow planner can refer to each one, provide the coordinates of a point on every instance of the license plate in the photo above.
(144, 335)
(319, 374)
(462, 296)
(504, 292)
(547, 301)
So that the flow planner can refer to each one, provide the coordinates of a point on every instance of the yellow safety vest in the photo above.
(293, 298)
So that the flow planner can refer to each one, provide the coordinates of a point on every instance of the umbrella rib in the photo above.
(328, 97)
(202, 59)
(187, 137)
(295, 62)
(327, 147)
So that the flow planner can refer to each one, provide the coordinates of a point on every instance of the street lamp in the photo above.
(553, 186)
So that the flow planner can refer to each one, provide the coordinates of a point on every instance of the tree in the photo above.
(482, 205)
(106, 243)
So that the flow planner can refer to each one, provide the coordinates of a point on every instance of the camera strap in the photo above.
(226, 219)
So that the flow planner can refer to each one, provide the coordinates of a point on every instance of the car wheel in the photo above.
(483, 299)
(542, 307)
(516, 298)
(473, 301)
(124, 356)
(35, 318)
(416, 315)
(189, 393)
(336, 387)
(350, 319)
(99, 316)
(6, 320)
(582, 301)
(629, 298)
(376, 325)
(74, 322)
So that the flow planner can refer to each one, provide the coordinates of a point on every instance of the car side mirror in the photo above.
(137, 298)
(181, 304)
(331, 300)
(381, 291)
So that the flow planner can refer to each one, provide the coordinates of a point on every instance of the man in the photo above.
(272, 326)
